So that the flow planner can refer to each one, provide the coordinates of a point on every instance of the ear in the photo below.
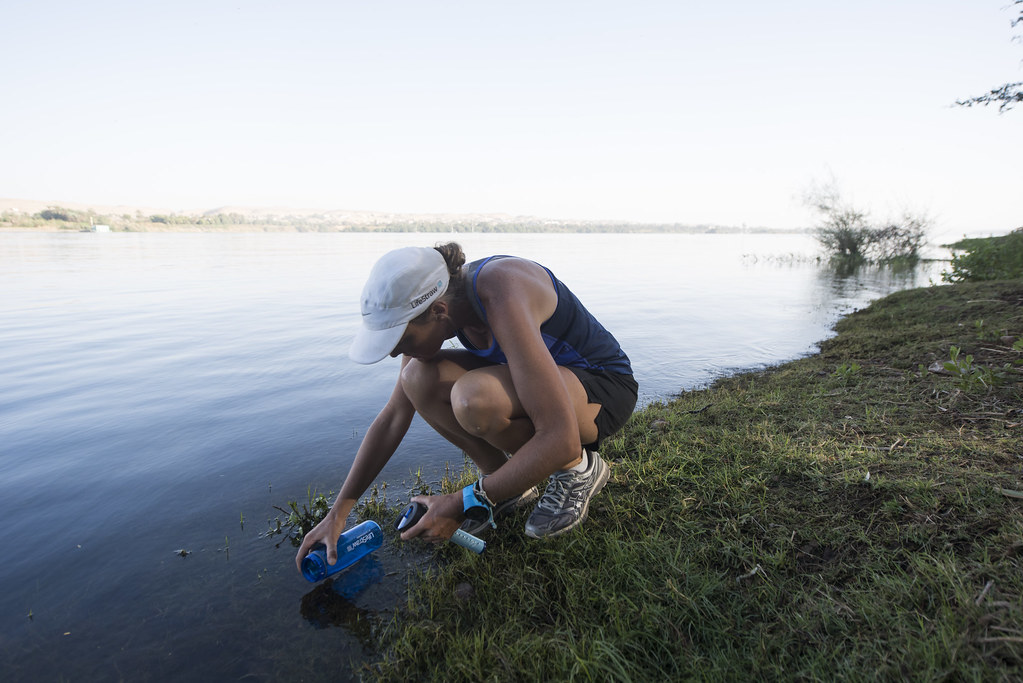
(439, 308)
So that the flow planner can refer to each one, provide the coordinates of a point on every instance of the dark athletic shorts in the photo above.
(616, 393)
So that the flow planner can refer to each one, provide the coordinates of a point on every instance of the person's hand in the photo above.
(442, 519)
(326, 532)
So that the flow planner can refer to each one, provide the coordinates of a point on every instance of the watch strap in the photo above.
(481, 494)
(471, 500)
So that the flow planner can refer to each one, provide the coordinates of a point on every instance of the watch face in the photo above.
(477, 513)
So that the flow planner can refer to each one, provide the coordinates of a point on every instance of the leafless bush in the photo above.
(846, 232)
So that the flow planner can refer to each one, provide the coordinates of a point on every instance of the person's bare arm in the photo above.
(519, 296)
(381, 440)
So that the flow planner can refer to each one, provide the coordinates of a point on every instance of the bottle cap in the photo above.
(314, 565)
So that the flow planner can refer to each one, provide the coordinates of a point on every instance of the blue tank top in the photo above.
(573, 336)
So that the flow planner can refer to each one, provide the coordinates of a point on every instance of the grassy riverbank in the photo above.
(850, 515)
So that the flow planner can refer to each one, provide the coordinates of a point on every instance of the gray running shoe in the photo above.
(566, 501)
(502, 509)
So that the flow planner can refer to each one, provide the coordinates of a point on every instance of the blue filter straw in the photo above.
(415, 511)
(352, 546)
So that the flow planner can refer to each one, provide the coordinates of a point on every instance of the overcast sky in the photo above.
(681, 111)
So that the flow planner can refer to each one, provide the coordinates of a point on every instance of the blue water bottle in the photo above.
(352, 546)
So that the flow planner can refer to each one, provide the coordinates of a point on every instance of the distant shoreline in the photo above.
(59, 217)
(257, 228)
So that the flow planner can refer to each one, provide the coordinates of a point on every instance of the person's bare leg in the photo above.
(486, 406)
(428, 385)
(485, 403)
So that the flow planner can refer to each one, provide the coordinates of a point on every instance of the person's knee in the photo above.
(480, 405)
(419, 381)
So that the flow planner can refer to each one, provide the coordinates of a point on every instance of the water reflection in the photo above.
(845, 280)
(849, 267)
(330, 603)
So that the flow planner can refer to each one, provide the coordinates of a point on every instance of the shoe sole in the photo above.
(602, 479)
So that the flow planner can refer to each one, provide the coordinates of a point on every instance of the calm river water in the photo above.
(162, 392)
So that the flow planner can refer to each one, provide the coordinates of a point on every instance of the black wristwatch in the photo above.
(475, 504)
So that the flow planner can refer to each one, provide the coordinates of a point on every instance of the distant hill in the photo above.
(25, 213)
(32, 206)
(257, 213)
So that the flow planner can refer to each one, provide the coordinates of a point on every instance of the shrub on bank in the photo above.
(993, 258)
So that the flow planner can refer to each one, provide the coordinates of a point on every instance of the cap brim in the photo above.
(371, 346)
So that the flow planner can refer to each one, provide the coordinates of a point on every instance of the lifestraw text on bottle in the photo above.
(365, 538)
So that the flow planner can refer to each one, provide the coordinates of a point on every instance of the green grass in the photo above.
(840, 517)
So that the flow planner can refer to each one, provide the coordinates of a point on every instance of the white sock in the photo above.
(581, 467)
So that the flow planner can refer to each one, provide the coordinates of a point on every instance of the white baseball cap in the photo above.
(401, 286)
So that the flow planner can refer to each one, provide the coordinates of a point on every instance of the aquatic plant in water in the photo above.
(300, 518)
